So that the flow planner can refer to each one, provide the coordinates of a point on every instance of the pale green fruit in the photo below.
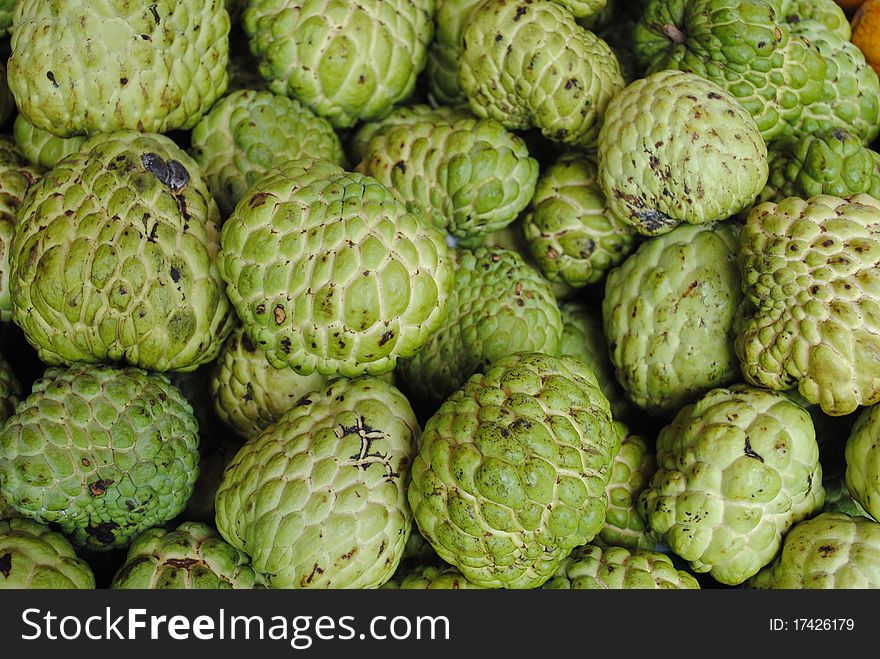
(33, 556)
(40, 147)
(600, 568)
(430, 577)
(863, 461)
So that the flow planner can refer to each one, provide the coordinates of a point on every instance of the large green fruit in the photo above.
(330, 273)
(669, 314)
(444, 53)
(192, 556)
(735, 471)
(104, 453)
(318, 500)
(248, 132)
(430, 577)
(347, 61)
(831, 551)
(470, 176)
(809, 269)
(512, 470)
(597, 568)
(674, 148)
(33, 556)
(498, 306)
(40, 147)
(114, 258)
(81, 66)
(527, 63)
(863, 461)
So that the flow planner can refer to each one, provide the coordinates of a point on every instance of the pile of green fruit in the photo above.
(438, 294)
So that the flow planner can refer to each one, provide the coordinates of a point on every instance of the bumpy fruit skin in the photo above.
(572, 234)
(830, 551)
(850, 97)
(430, 577)
(329, 272)
(40, 147)
(743, 46)
(114, 258)
(541, 70)
(249, 393)
(597, 568)
(677, 148)
(10, 391)
(735, 471)
(319, 499)
(512, 470)
(832, 162)
(16, 178)
(670, 313)
(471, 177)
(498, 306)
(33, 556)
(249, 132)
(405, 115)
(192, 556)
(824, 14)
(80, 66)
(631, 471)
(863, 461)
(583, 338)
(103, 452)
(444, 53)
(346, 61)
(809, 269)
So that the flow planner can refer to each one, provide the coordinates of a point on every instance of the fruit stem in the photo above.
(674, 33)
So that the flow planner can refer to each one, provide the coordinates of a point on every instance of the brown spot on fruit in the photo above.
(98, 488)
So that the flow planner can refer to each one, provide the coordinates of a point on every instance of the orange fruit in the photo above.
(866, 32)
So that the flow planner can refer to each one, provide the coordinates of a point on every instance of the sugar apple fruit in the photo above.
(674, 148)
(249, 393)
(347, 61)
(471, 177)
(329, 272)
(826, 13)
(735, 471)
(40, 147)
(33, 556)
(498, 306)
(114, 258)
(597, 568)
(105, 453)
(744, 46)
(539, 69)
(830, 551)
(832, 162)
(583, 338)
(430, 577)
(444, 52)
(572, 234)
(192, 556)
(16, 178)
(318, 500)
(6, 8)
(631, 472)
(863, 461)
(512, 470)
(809, 271)
(99, 67)
(249, 132)
(670, 314)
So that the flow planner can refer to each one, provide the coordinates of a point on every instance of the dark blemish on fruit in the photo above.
(747, 450)
(386, 337)
(280, 314)
(103, 532)
(155, 13)
(98, 488)
(285, 345)
(51, 77)
(175, 274)
(520, 12)
(401, 166)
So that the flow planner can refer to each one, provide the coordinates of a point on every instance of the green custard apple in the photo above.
(528, 64)
(444, 52)
(430, 577)
(103, 452)
(675, 148)
(863, 461)
(33, 556)
(606, 568)
(79, 66)
(114, 258)
(670, 313)
(40, 147)
(347, 61)
(808, 270)
(318, 500)
(827, 13)
(512, 470)
(735, 471)
(329, 272)
(192, 556)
